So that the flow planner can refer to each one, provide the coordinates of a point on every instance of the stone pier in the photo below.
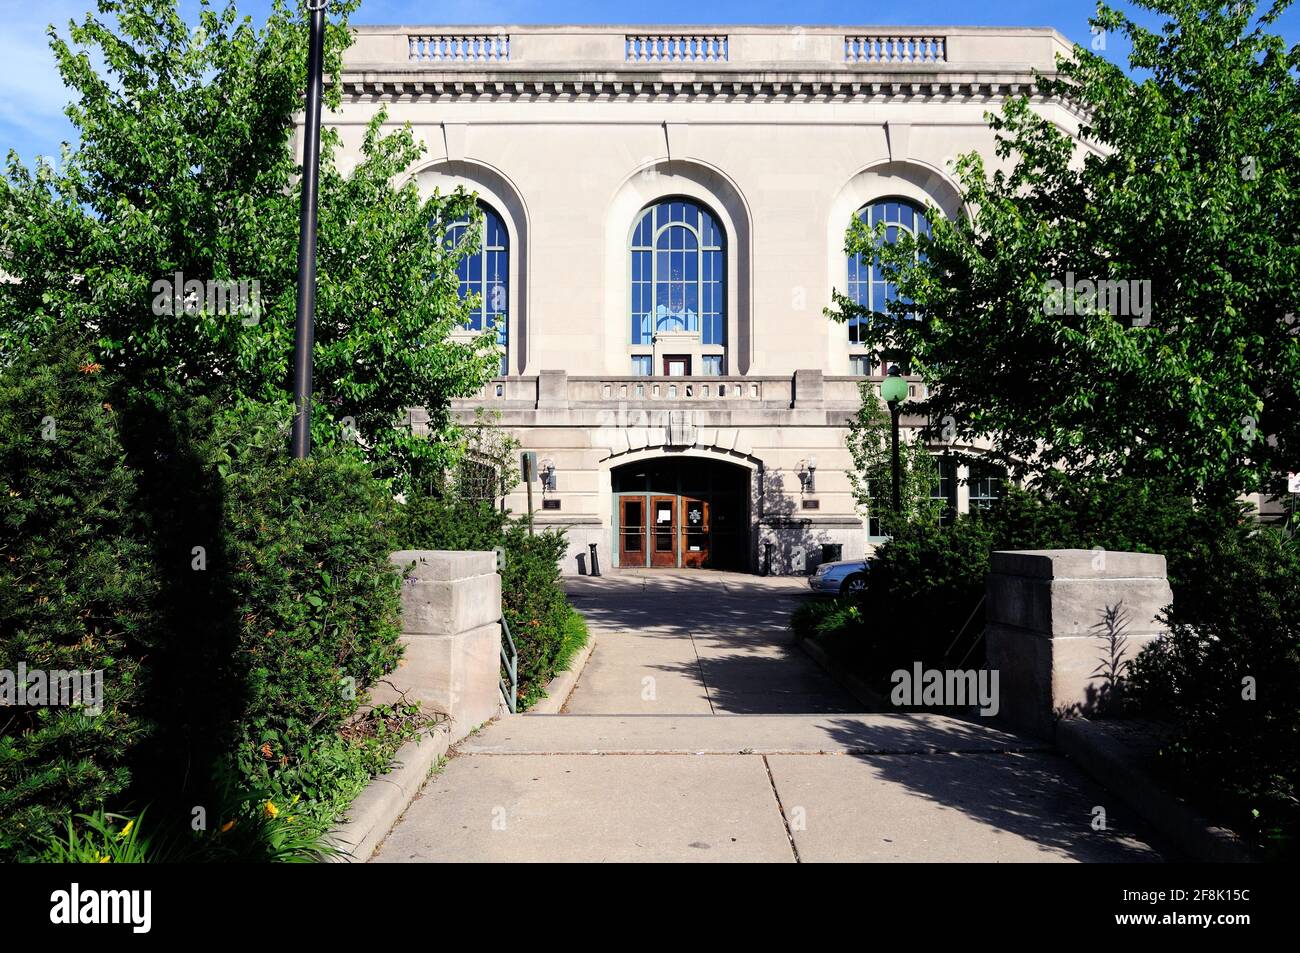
(1063, 623)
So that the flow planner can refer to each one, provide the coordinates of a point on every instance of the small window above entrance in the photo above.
(677, 365)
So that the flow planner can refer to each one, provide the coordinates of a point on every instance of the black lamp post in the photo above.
(304, 329)
(894, 390)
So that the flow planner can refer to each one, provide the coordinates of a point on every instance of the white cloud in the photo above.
(32, 95)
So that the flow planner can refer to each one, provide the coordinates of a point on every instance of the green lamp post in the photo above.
(894, 391)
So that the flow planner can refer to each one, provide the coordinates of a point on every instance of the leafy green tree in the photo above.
(1181, 182)
(185, 177)
(872, 476)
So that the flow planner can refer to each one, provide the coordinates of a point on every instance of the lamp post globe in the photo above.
(894, 388)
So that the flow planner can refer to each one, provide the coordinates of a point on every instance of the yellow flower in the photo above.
(270, 809)
(104, 860)
(126, 830)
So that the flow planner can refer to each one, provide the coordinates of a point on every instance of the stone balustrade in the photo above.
(729, 49)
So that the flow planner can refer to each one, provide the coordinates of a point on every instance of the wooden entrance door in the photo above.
(663, 531)
(695, 532)
(631, 531)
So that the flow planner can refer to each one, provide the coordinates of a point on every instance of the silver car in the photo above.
(840, 578)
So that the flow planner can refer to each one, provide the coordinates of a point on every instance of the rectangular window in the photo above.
(875, 531)
(860, 365)
(945, 490)
(677, 365)
(711, 365)
(642, 365)
(985, 486)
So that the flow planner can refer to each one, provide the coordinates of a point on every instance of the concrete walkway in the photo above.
(698, 732)
(697, 642)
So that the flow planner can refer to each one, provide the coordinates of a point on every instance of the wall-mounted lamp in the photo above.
(808, 474)
(547, 474)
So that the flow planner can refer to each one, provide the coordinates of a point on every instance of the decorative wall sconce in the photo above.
(808, 474)
(547, 474)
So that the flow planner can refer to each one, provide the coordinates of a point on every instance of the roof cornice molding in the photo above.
(388, 85)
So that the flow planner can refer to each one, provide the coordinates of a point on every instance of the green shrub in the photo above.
(532, 590)
(76, 589)
(1124, 515)
(238, 602)
(317, 603)
(533, 601)
(452, 522)
(929, 580)
(1227, 677)
(924, 585)
(926, 582)
(278, 602)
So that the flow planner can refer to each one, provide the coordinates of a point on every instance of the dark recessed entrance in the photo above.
(682, 512)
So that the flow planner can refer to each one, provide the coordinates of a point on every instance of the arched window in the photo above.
(679, 274)
(484, 275)
(867, 285)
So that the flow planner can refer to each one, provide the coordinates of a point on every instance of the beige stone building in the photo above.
(666, 210)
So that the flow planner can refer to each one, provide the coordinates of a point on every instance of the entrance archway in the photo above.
(684, 512)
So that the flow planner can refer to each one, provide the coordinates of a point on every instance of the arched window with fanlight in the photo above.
(484, 275)
(678, 282)
(867, 286)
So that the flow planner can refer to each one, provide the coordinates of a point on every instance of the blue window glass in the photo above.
(867, 285)
(711, 365)
(642, 365)
(484, 274)
(678, 270)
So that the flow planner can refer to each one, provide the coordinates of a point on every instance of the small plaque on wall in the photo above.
(550, 504)
(812, 504)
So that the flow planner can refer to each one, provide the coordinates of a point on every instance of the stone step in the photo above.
(920, 733)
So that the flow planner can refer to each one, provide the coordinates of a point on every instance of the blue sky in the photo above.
(32, 96)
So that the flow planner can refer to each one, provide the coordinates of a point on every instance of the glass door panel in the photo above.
(631, 549)
(663, 531)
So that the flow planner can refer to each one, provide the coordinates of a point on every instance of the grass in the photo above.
(575, 637)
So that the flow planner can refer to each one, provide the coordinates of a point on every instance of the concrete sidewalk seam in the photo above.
(699, 667)
(780, 808)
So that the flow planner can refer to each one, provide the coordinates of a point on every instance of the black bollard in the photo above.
(595, 562)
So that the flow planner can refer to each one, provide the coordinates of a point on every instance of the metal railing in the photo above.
(962, 631)
(509, 669)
